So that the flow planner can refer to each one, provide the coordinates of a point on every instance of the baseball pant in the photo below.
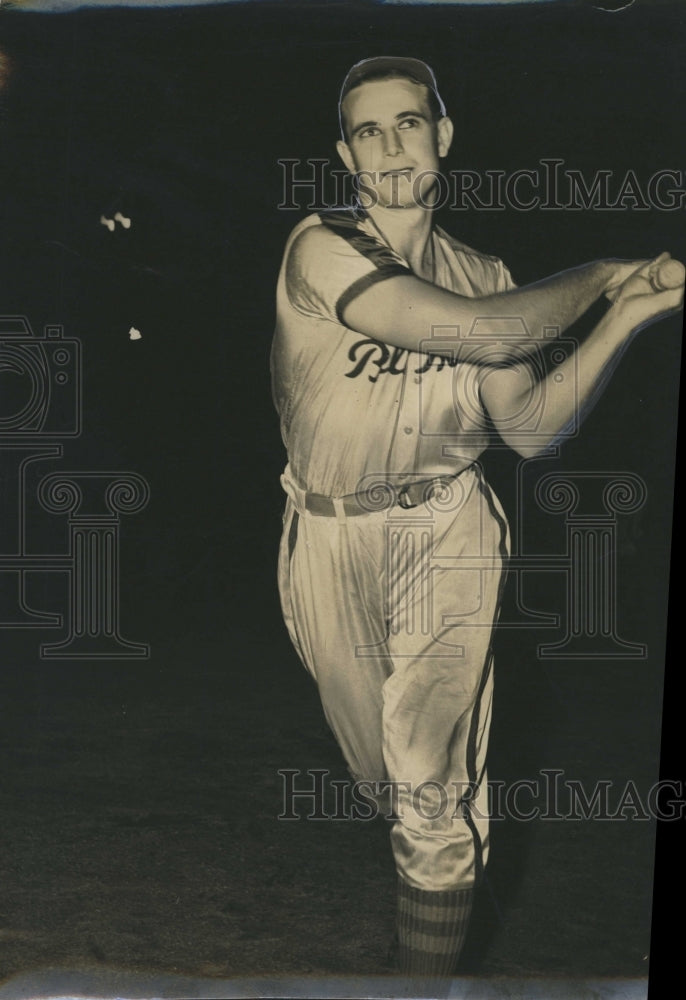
(393, 612)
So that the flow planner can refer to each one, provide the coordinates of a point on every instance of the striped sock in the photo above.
(431, 929)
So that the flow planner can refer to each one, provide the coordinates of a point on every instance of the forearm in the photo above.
(531, 413)
(562, 398)
(553, 303)
(410, 313)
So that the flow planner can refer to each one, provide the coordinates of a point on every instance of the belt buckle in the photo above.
(404, 500)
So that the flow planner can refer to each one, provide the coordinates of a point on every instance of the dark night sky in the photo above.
(178, 118)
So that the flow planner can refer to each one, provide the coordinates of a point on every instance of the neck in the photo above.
(408, 231)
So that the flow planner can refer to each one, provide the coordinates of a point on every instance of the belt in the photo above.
(382, 498)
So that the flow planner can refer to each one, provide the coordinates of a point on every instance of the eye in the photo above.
(409, 123)
(368, 133)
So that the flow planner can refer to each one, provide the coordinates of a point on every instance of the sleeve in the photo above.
(330, 264)
(505, 282)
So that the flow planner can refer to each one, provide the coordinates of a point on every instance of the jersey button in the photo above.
(418, 379)
(408, 430)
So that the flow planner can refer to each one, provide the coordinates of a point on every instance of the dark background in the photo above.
(140, 799)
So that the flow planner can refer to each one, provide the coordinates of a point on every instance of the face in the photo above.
(394, 143)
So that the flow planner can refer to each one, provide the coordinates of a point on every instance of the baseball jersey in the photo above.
(351, 408)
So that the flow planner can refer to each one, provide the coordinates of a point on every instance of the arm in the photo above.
(530, 413)
(403, 310)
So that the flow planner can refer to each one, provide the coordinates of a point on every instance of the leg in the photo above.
(331, 586)
(444, 589)
(397, 634)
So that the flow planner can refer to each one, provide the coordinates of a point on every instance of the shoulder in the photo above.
(322, 228)
(339, 237)
(329, 258)
(318, 237)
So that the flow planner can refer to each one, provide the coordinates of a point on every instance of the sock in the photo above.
(432, 927)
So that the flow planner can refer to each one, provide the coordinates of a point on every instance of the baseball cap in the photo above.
(379, 65)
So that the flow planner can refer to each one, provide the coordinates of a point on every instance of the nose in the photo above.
(392, 143)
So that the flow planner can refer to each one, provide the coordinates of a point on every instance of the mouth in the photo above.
(396, 172)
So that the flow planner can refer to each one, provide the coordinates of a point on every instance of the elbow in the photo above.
(537, 440)
(528, 446)
(528, 451)
(531, 451)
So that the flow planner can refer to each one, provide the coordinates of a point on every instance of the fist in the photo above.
(668, 274)
(651, 291)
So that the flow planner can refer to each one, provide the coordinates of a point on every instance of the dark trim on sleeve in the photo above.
(387, 263)
(366, 281)
(344, 224)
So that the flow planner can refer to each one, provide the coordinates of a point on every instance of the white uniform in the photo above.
(392, 610)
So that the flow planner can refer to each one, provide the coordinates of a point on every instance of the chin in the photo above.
(398, 200)
(399, 206)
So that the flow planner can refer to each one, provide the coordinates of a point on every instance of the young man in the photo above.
(395, 348)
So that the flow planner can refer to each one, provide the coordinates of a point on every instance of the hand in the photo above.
(639, 302)
(621, 270)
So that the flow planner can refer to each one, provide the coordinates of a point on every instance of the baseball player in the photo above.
(395, 349)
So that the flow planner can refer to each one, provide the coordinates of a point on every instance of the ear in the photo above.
(343, 151)
(445, 136)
